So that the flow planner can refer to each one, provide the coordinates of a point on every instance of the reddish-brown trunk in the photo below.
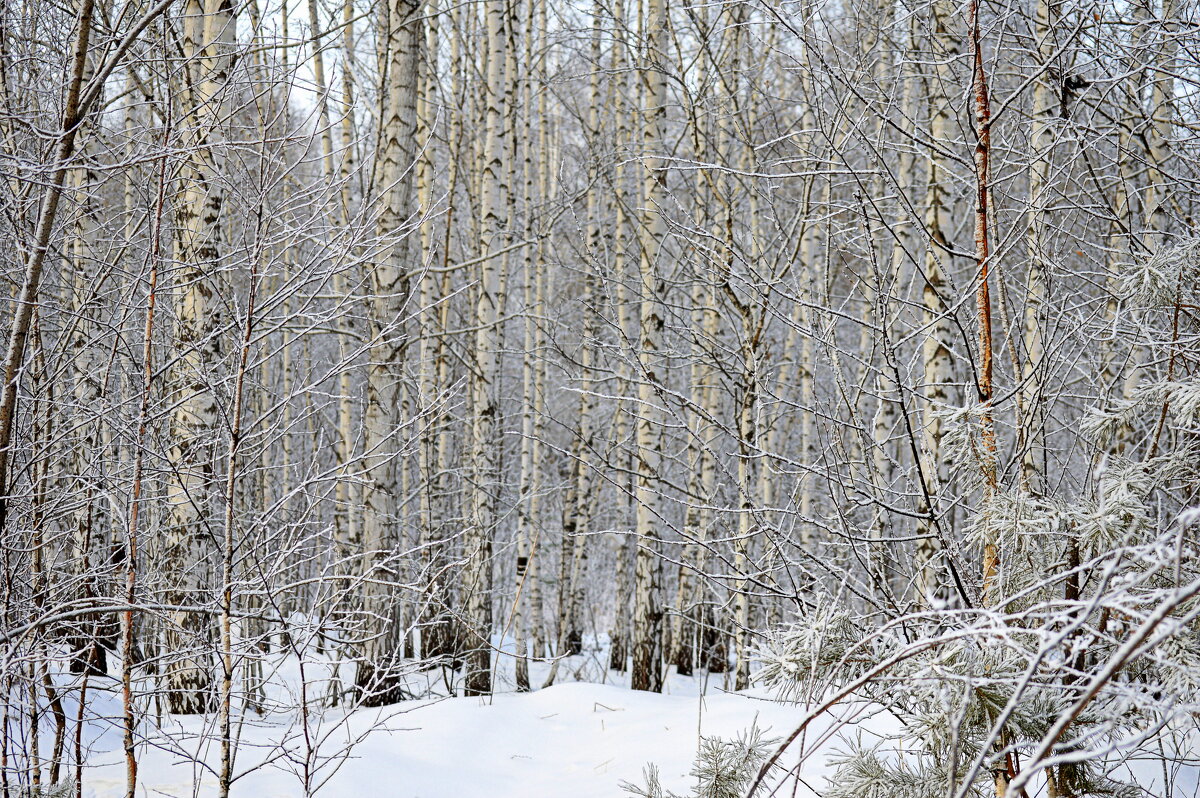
(983, 300)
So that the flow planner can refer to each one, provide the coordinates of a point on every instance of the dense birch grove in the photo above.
(848, 348)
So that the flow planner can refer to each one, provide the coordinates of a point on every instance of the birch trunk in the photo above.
(200, 329)
(484, 449)
(686, 618)
(624, 544)
(90, 523)
(647, 616)
(886, 454)
(1041, 144)
(576, 525)
(348, 493)
(936, 361)
(1161, 113)
(530, 482)
(377, 680)
(427, 326)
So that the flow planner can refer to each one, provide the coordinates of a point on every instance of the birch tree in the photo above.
(200, 328)
(383, 422)
(648, 613)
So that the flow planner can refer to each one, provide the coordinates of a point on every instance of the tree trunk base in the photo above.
(374, 687)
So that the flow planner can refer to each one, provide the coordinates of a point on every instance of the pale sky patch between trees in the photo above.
(852, 349)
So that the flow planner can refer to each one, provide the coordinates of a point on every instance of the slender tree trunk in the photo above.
(576, 525)
(624, 275)
(887, 455)
(484, 448)
(936, 360)
(225, 772)
(1161, 115)
(129, 718)
(1037, 240)
(74, 109)
(377, 680)
(647, 615)
(983, 134)
(527, 531)
(90, 523)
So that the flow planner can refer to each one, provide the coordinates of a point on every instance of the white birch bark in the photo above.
(576, 524)
(1037, 243)
(90, 524)
(1156, 200)
(647, 616)
(483, 447)
(376, 680)
(527, 605)
(938, 374)
(199, 330)
(886, 454)
(625, 543)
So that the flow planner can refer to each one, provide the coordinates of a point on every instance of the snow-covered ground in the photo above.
(575, 739)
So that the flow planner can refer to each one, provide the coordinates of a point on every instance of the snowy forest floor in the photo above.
(582, 737)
